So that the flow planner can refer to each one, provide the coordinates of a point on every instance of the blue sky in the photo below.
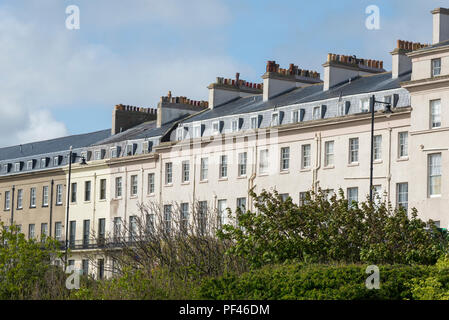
(55, 81)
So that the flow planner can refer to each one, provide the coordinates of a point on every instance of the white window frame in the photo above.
(242, 164)
(185, 171)
(204, 169)
(341, 109)
(30, 165)
(295, 116)
(436, 69)
(350, 195)
(20, 199)
(377, 148)
(197, 131)
(316, 115)
(435, 117)
(403, 144)
(434, 173)
(134, 185)
(254, 122)
(400, 193)
(168, 173)
(33, 197)
(7, 200)
(354, 150)
(59, 191)
(285, 158)
(45, 196)
(306, 156)
(275, 119)
(264, 161)
(328, 154)
(235, 125)
(17, 167)
(113, 152)
(364, 105)
(151, 183)
(118, 187)
(216, 127)
(223, 167)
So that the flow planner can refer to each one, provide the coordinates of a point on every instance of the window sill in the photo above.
(133, 197)
(58, 204)
(402, 159)
(353, 164)
(329, 167)
(150, 195)
(118, 198)
(305, 170)
(242, 177)
(168, 185)
(378, 161)
(204, 181)
(186, 183)
(19, 209)
(223, 179)
(32, 207)
(438, 196)
(284, 172)
(87, 202)
(263, 174)
(102, 200)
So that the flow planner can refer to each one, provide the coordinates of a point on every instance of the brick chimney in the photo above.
(340, 68)
(125, 117)
(171, 108)
(440, 25)
(401, 62)
(225, 90)
(277, 80)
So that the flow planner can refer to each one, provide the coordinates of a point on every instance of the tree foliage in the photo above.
(328, 230)
(26, 270)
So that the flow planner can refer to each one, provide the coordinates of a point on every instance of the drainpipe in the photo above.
(51, 206)
(389, 165)
(252, 178)
(315, 181)
(194, 181)
(160, 183)
(12, 204)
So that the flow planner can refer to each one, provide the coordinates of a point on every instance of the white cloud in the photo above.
(45, 66)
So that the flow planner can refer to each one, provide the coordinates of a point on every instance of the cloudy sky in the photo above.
(55, 81)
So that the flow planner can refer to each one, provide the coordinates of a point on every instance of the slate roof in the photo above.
(358, 85)
(53, 145)
(141, 131)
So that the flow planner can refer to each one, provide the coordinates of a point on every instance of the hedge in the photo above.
(314, 282)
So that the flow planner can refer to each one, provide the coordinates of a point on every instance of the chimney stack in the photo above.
(171, 108)
(440, 25)
(125, 117)
(340, 68)
(225, 90)
(277, 80)
(401, 62)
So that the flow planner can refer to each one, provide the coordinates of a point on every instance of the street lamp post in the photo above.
(71, 157)
(388, 111)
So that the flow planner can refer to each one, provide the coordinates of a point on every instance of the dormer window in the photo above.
(341, 109)
(197, 131)
(146, 147)
(56, 161)
(30, 165)
(84, 155)
(17, 166)
(436, 67)
(364, 105)
(235, 125)
(216, 127)
(295, 116)
(97, 155)
(114, 152)
(275, 119)
(180, 133)
(254, 122)
(316, 113)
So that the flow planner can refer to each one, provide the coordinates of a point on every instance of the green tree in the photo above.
(26, 271)
(323, 230)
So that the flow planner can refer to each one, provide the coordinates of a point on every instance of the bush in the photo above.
(436, 285)
(313, 282)
(324, 230)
